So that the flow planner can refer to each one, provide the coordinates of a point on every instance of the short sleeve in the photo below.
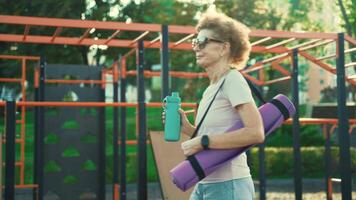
(236, 89)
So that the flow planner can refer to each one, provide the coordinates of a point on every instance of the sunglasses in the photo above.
(202, 41)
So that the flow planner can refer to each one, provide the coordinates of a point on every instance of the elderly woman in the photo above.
(221, 46)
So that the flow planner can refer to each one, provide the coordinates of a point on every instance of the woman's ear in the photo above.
(226, 48)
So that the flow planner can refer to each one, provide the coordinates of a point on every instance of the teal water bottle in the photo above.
(172, 124)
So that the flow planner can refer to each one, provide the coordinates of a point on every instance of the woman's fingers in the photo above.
(163, 117)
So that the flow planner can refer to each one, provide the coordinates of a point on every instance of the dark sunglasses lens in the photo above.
(200, 42)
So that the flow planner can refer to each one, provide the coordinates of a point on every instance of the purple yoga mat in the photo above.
(184, 176)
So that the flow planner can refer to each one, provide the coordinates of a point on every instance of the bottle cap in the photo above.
(175, 94)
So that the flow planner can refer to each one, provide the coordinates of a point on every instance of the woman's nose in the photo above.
(196, 48)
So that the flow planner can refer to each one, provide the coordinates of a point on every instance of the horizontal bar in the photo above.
(133, 142)
(112, 36)
(318, 121)
(350, 64)
(184, 39)
(26, 186)
(261, 64)
(181, 29)
(73, 23)
(189, 111)
(334, 55)
(316, 45)
(287, 34)
(140, 37)
(89, 104)
(352, 76)
(132, 51)
(18, 140)
(76, 81)
(114, 43)
(337, 180)
(86, 41)
(155, 40)
(260, 41)
(277, 80)
(85, 34)
(280, 43)
(12, 57)
(304, 44)
(275, 58)
(11, 80)
(148, 73)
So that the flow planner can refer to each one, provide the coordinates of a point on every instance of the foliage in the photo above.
(259, 14)
(279, 162)
(310, 135)
(329, 94)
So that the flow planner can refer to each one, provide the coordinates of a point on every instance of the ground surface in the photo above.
(282, 189)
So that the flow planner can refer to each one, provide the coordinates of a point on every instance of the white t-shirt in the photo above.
(223, 115)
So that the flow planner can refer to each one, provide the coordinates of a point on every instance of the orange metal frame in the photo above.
(278, 50)
(22, 121)
(282, 38)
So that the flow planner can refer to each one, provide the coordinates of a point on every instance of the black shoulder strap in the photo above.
(255, 91)
(206, 112)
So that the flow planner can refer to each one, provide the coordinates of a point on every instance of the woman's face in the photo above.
(207, 48)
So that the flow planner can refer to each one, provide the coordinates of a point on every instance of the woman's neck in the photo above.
(217, 71)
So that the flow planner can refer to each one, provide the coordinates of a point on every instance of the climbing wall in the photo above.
(74, 143)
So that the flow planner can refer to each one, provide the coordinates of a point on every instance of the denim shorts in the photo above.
(237, 189)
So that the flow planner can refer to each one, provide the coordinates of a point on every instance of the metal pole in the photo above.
(261, 171)
(102, 157)
(165, 61)
(327, 161)
(344, 138)
(296, 129)
(10, 150)
(37, 144)
(142, 164)
(41, 127)
(123, 133)
(261, 160)
(115, 134)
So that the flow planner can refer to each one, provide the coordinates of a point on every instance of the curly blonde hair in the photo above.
(229, 30)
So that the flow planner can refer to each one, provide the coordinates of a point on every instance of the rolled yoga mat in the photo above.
(273, 115)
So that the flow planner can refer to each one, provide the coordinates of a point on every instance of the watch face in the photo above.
(205, 141)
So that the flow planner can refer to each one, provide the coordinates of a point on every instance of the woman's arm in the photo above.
(251, 133)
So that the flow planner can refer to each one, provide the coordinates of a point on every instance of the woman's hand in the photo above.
(186, 126)
(192, 146)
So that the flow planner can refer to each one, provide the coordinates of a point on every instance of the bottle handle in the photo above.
(164, 103)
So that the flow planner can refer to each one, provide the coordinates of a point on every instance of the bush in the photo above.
(310, 135)
(279, 163)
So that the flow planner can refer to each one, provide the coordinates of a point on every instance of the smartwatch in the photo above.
(205, 142)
